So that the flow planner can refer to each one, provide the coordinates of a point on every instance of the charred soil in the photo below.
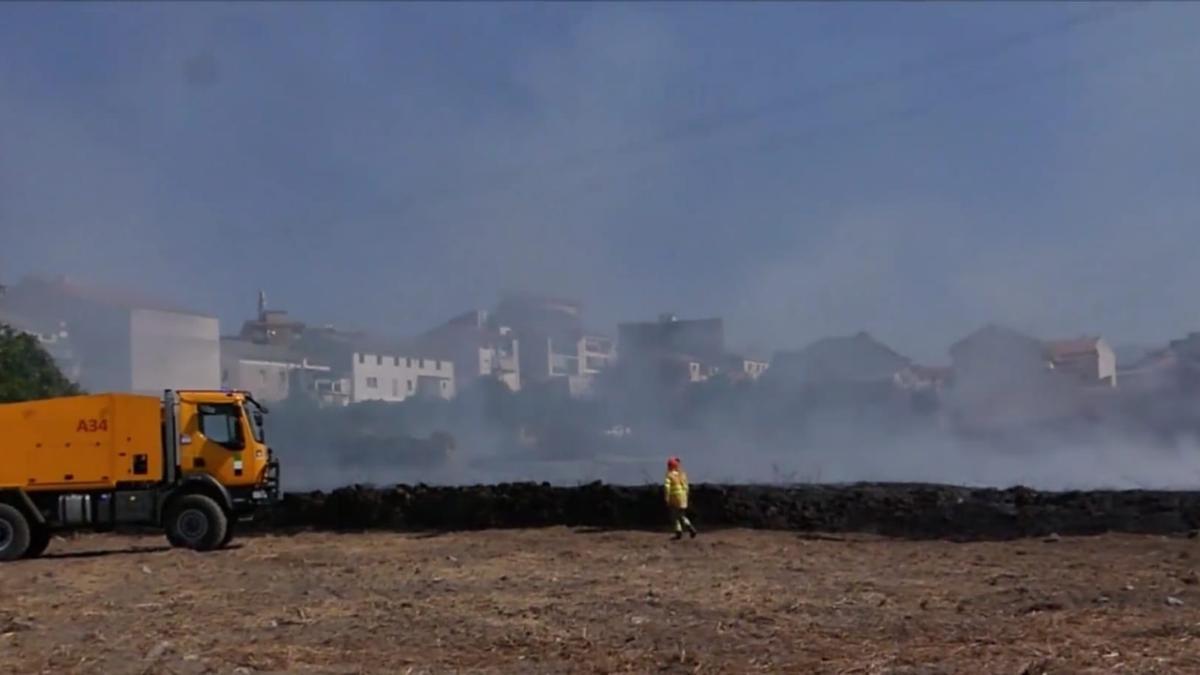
(896, 510)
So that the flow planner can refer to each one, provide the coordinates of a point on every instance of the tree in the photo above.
(27, 372)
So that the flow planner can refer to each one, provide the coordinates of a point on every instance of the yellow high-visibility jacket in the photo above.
(675, 488)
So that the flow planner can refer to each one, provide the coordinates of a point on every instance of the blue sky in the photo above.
(801, 169)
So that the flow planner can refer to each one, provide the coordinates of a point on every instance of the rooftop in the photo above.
(24, 323)
(1073, 347)
(244, 349)
(932, 372)
(33, 288)
(377, 346)
(847, 358)
(994, 333)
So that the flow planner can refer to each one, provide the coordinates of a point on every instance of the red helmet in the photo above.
(672, 464)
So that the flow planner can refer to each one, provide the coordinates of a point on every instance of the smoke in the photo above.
(752, 433)
(801, 170)
(1097, 461)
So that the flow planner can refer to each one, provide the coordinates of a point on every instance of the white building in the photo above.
(172, 350)
(270, 372)
(555, 347)
(596, 354)
(1090, 359)
(390, 375)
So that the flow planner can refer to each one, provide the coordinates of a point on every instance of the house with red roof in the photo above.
(1090, 359)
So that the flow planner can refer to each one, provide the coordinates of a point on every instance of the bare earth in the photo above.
(558, 600)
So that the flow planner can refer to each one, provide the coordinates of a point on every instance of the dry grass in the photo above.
(556, 600)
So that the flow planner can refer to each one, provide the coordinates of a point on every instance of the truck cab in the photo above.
(221, 438)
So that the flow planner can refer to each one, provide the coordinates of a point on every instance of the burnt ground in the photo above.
(570, 600)
(912, 511)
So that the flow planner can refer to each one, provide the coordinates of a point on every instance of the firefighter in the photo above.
(675, 490)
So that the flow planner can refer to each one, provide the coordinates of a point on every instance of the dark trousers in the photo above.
(680, 520)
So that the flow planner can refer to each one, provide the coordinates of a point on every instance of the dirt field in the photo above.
(558, 600)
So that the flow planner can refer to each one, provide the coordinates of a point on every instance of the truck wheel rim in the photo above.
(193, 525)
(6, 535)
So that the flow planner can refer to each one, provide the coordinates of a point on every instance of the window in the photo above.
(379, 360)
(256, 424)
(408, 363)
(396, 361)
(395, 387)
(422, 363)
(372, 383)
(221, 424)
(443, 385)
(362, 358)
(410, 385)
(437, 365)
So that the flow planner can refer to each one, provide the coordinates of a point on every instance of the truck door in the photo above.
(213, 442)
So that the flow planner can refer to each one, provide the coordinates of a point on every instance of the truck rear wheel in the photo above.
(14, 533)
(196, 522)
(39, 540)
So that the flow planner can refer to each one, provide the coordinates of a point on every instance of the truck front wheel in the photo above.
(14, 533)
(196, 522)
(229, 532)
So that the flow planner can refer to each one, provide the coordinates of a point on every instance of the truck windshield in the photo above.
(256, 422)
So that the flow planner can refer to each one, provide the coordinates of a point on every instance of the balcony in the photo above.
(561, 364)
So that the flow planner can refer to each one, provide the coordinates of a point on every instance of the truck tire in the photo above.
(39, 539)
(14, 533)
(196, 522)
(229, 532)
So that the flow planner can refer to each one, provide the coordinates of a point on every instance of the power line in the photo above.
(933, 63)
(837, 132)
(702, 127)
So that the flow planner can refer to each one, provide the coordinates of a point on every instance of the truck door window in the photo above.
(256, 425)
(222, 425)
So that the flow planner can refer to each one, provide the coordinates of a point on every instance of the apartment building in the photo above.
(554, 343)
(479, 347)
(383, 373)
